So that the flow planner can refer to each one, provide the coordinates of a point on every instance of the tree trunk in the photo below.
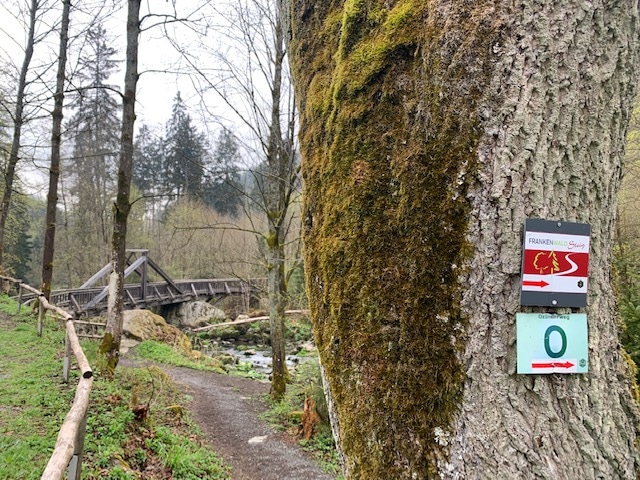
(277, 195)
(276, 287)
(54, 169)
(429, 132)
(18, 121)
(110, 346)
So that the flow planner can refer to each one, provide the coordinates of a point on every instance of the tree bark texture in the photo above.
(280, 180)
(110, 346)
(429, 132)
(277, 289)
(18, 122)
(54, 168)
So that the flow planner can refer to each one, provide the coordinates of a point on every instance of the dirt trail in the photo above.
(227, 409)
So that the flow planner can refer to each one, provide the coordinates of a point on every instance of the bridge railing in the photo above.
(67, 453)
(93, 300)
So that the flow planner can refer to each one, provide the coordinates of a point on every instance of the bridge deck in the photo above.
(93, 301)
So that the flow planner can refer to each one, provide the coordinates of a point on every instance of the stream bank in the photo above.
(250, 343)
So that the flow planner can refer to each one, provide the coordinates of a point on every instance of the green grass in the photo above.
(33, 399)
(121, 442)
(163, 353)
(323, 449)
(245, 369)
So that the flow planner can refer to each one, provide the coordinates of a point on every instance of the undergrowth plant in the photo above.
(163, 353)
(287, 415)
(627, 263)
(137, 427)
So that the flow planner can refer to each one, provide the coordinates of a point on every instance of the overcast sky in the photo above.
(160, 63)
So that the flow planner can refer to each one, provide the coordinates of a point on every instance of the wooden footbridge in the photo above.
(91, 300)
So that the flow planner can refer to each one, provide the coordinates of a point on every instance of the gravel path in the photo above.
(227, 409)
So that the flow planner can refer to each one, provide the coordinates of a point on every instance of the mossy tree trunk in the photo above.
(110, 346)
(429, 132)
(276, 288)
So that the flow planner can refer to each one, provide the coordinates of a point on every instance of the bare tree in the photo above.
(54, 169)
(18, 122)
(429, 132)
(251, 76)
(110, 345)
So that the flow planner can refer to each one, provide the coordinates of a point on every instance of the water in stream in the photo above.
(258, 356)
(261, 359)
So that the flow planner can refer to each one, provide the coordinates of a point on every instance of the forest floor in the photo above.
(228, 408)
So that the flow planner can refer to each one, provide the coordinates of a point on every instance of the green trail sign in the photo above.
(550, 343)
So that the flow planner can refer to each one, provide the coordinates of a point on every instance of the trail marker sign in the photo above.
(555, 263)
(550, 343)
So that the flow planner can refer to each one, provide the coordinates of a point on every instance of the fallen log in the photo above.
(211, 326)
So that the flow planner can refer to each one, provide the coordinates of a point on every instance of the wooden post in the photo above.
(19, 298)
(144, 278)
(41, 311)
(76, 306)
(75, 465)
(66, 361)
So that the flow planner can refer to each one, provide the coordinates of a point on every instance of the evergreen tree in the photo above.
(94, 126)
(19, 244)
(185, 150)
(147, 177)
(148, 161)
(223, 189)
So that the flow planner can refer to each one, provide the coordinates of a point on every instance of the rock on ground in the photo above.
(194, 314)
(140, 325)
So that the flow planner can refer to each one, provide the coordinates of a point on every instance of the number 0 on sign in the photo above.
(549, 343)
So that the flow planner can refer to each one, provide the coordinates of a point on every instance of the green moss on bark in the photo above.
(389, 95)
(110, 350)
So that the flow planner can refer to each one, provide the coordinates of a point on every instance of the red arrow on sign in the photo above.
(552, 365)
(530, 283)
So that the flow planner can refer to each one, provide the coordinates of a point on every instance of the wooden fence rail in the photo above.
(67, 453)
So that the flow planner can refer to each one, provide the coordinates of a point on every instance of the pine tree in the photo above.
(147, 177)
(94, 126)
(222, 189)
(19, 246)
(148, 161)
(185, 150)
